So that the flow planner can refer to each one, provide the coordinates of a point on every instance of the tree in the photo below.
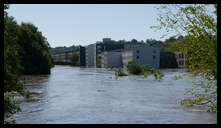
(153, 41)
(134, 68)
(36, 58)
(26, 51)
(75, 59)
(134, 41)
(199, 26)
(12, 67)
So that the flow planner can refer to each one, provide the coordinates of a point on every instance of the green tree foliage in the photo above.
(36, 58)
(58, 50)
(153, 42)
(98, 63)
(134, 68)
(119, 72)
(75, 59)
(198, 23)
(26, 51)
(170, 44)
(12, 67)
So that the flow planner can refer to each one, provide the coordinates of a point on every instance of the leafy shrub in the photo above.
(119, 72)
(10, 105)
(134, 68)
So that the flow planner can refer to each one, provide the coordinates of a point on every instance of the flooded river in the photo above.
(88, 95)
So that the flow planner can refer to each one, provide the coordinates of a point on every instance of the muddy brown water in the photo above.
(87, 95)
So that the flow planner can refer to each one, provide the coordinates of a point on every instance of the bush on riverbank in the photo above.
(11, 106)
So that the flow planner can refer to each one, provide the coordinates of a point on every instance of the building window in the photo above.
(138, 57)
(154, 57)
(154, 51)
(180, 62)
(138, 51)
(181, 55)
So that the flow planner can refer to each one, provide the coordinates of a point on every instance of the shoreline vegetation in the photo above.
(26, 52)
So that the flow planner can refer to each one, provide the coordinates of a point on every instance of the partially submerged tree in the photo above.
(198, 23)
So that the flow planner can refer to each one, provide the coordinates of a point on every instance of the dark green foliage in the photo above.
(36, 58)
(12, 67)
(170, 44)
(58, 50)
(26, 51)
(168, 60)
(10, 105)
(134, 68)
(75, 59)
(98, 63)
(148, 70)
(153, 42)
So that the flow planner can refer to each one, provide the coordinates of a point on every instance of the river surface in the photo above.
(73, 95)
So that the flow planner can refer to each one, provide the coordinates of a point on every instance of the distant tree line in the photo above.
(26, 52)
(165, 45)
(57, 50)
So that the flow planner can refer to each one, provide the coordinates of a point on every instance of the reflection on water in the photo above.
(87, 95)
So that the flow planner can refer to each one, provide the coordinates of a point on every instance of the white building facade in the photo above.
(90, 55)
(111, 59)
(143, 55)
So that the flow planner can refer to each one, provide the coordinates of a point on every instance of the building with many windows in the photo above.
(93, 52)
(62, 58)
(109, 54)
(181, 59)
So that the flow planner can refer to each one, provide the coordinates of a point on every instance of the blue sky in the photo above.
(83, 24)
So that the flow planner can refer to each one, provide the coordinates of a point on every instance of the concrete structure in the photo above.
(90, 54)
(131, 46)
(93, 52)
(143, 55)
(181, 59)
(62, 58)
(111, 59)
(109, 54)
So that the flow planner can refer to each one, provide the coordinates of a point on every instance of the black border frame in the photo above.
(116, 2)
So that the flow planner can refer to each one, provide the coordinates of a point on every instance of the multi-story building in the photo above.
(62, 58)
(181, 59)
(142, 54)
(107, 54)
(111, 59)
(90, 55)
(94, 51)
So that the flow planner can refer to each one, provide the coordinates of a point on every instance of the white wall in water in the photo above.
(144, 55)
(91, 55)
